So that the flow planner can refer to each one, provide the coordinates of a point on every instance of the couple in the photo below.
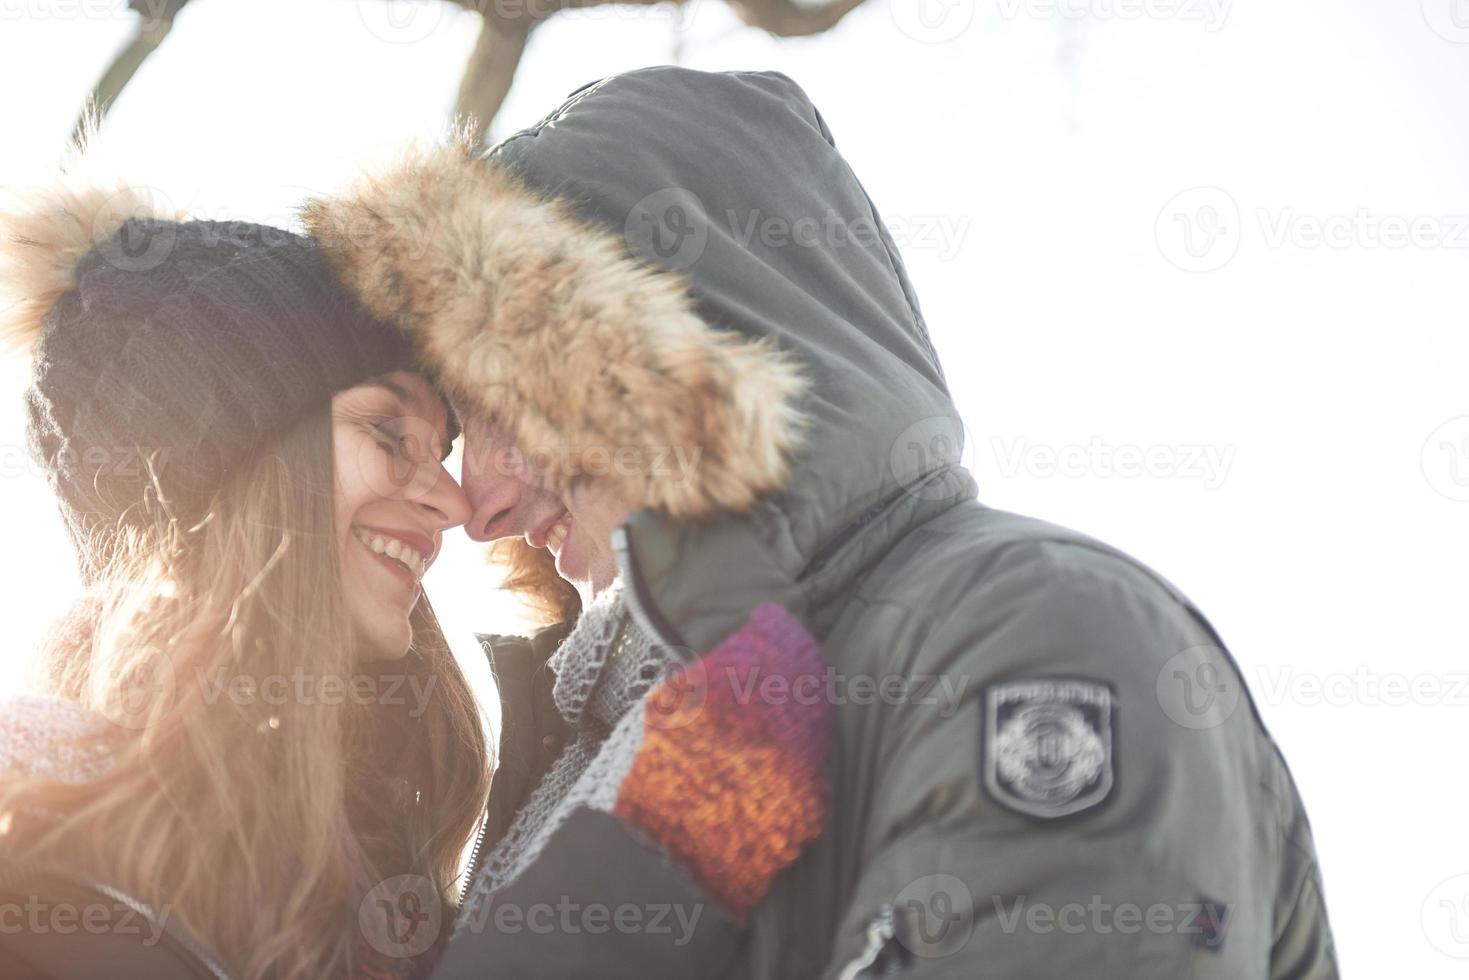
(805, 689)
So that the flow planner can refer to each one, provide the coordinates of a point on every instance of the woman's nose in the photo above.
(446, 498)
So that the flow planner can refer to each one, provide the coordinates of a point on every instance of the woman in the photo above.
(251, 473)
(254, 716)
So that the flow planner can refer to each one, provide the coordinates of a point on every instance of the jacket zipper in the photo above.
(881, 930)
(201, 954)
(476, 859)
(197, 949)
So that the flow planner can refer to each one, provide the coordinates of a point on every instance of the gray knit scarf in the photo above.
(604, 668)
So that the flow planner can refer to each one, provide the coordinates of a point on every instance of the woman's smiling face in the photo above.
(393, 500)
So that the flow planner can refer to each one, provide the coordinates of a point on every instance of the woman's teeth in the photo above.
(556, 537)
(394, 549)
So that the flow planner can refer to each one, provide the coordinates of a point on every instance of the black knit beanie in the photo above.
(192, 342)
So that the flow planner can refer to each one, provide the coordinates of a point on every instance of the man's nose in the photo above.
(493, 499)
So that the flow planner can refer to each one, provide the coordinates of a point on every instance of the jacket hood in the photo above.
(680, 261)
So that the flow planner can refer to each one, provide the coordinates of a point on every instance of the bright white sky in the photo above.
(1306, 404)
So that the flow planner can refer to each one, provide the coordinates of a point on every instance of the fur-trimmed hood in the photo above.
(674, 266)
(546, 324)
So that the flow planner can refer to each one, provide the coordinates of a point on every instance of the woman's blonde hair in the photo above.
(260, 820)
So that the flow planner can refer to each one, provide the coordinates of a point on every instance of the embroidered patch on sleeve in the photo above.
(1048, 748)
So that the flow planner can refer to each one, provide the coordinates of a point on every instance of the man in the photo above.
(695, 369)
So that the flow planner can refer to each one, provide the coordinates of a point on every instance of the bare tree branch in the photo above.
(491, 68)
(489, 72)
(146, 39)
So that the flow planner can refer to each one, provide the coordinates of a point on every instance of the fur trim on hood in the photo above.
(547, 325)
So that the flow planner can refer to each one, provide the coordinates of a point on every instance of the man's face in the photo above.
(508, 498)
